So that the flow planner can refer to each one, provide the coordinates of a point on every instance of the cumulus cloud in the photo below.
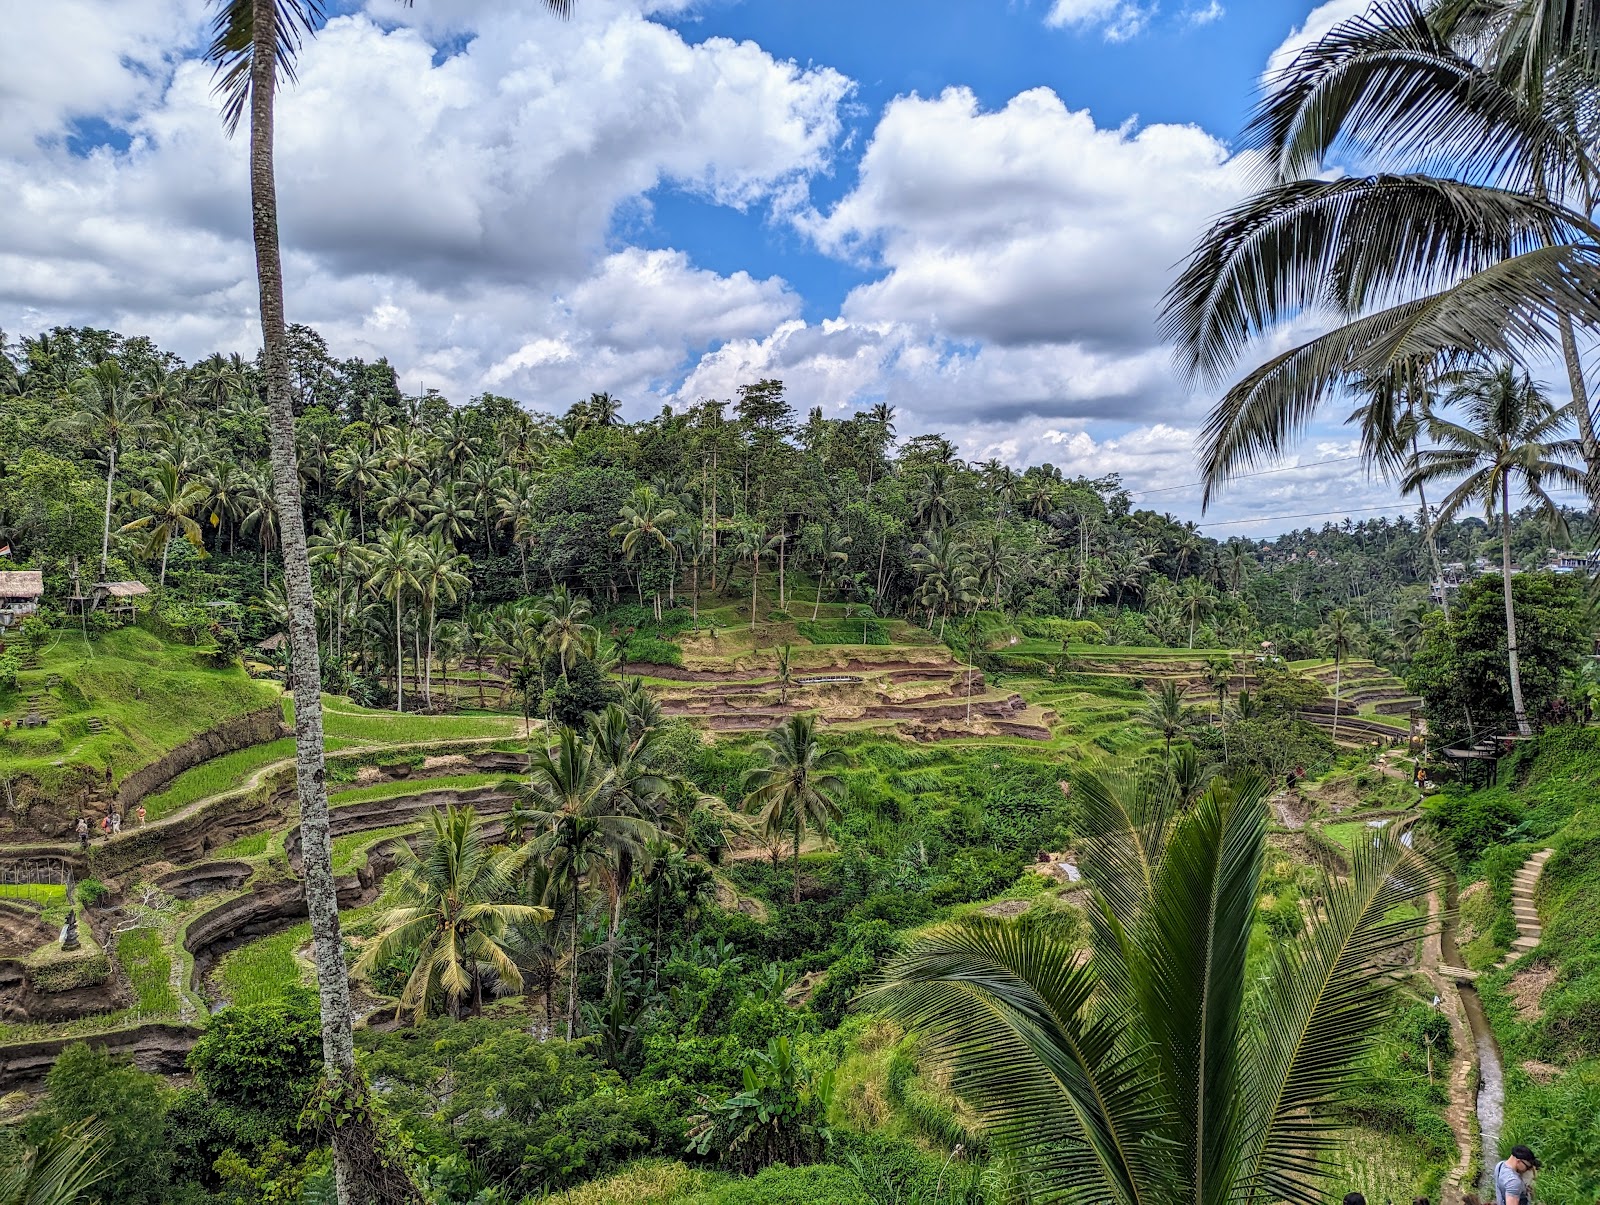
(1117, 20)
(1317, 23)
(1205, 16)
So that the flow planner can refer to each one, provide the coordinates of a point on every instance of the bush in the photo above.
(265, 1056)
(91, 892)
(10, 668)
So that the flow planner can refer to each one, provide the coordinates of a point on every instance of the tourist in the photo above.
(116, 823)
(141, 815)
(83, 832)
(1513, 1177)
(105, 824)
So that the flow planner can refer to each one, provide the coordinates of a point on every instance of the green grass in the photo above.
(144, 956)
(264, 970)
(346, 721)
(350, 851)
(45, 895)
(248, 846)
(413, 786)
(1350, 834)
(216, 776)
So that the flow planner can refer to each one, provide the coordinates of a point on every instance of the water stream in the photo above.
(1491, 1100)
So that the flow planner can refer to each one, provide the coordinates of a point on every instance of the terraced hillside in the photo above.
(1374, 705)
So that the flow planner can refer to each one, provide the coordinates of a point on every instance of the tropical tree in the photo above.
(169, 504)
(1197, 601)
(798, 788)
(783, 673)
(391, 565)
(1219, 676)
(582, 831)
(336, 546)
(452, 905)
(1169, 1066)
(565, 628)
(1336, 635)
(1466, 219)
(441, 576)
(106, 409)
(645, 520)
(1510, 431)
(1166, 713)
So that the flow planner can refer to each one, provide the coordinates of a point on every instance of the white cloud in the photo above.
(1117, 20)
(1317, 23)
(1205, 16)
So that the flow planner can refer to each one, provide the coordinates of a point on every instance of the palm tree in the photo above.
(784, 675)
(798, 788)
(835, 547)
(565, 630)
(1510, 431)
(581, 832)
(169, 504)
(1490, 258)
(644, 520)
(335, 545)
(1166, 712)
(61, 1170)
(107, 410)
(1338, 631)
(1219, 675)
(358, 470)
(1169, 1066)
(391, 566)
(440, 574)
(751, 542)
(452, 907)
(1197, 602)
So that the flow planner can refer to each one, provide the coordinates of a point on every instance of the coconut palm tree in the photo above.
(1219, 676)
(1166, 713)
(645, 520)
(1337, 634)
(61, 1170)
(453, 904)
(334, 544)
(169, 503)
(1493, 255)
(1170, 1065)
(798, 788)
(106, 409)
(441, 576)
(582, 832)
(834, 549)
(391, 567)
(357, 471)
(1510, 431)
(783, 673)
(565, 630)
(1197, 601)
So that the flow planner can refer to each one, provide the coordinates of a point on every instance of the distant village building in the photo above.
(1587, 563)
(115, 597)
(20, 592)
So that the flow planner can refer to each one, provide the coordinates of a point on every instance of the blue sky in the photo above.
(969, 209)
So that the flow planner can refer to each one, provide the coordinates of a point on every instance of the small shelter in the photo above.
(117, 598)
(20, 592)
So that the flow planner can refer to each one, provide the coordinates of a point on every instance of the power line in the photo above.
(1289, 468)
(1326, 514)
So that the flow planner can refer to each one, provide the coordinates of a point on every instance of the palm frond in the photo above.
(1329, 994)
(1343, 246)
(1507, 310)
(232, 48)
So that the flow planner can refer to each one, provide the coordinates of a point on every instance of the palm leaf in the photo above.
(1506, 310)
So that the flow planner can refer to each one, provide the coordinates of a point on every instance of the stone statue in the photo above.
(69, 931)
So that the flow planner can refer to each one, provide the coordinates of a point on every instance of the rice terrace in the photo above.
(731, 603)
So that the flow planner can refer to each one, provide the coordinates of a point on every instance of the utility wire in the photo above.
(1288, 468)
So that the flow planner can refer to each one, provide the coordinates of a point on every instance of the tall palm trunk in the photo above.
(619, 889)
(352, 1143)
(1338, 678)
(399, 659)
(572, 966)
(755, 575)
(1433, 537)
(105, 535)
(1517, 707)
(797, 854)
(1588, 447)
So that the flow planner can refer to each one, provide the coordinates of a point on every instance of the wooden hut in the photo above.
(20, 592)
(117, 598)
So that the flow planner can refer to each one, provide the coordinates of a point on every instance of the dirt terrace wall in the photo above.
(156, 1047)
(242, 731)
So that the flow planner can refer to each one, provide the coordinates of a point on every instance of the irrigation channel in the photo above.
(1491, 1094)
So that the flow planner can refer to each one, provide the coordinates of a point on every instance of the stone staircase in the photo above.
(1522, 906)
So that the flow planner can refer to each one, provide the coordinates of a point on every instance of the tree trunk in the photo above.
(797, 855)
(1517, 706)
(166, 548)
(105, 537)
(624, 877)
(783, 540)
(1338, 678)
(399, 659)
(352, 1140)
(755, 574)
(822, 579)
(572, 966)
